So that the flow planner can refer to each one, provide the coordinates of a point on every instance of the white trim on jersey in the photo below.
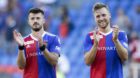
(106, 33)
(35, 38)
(50, 34)
(43, 34)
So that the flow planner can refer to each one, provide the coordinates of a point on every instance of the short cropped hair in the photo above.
(99, 6)
(35, 11)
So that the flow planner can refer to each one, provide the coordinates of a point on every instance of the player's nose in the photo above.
(35, 20)
(101, 18)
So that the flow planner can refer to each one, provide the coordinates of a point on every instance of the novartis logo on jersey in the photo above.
(34, 54)
(106, 48)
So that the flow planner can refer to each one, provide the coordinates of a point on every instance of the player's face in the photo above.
(102, 17)
(36, 21)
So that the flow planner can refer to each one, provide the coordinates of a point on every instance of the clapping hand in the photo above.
(18, 38)
(115, 32)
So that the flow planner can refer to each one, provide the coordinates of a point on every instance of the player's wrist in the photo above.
(42, 48)
(115, 40)
(21, 47)
(40, 44)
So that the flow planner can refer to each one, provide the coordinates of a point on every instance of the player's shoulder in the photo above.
(50, 35)
(90, 33)
(26, 37)
(121, 32)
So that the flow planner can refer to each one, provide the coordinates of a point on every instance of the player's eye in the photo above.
(103, 15)
(32, 18)
(98, 16)
(38, 18)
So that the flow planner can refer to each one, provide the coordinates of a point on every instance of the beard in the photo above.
(103, 23)
(37, 29)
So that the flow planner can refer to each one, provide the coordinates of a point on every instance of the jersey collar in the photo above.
(106, 33)
(36, 38)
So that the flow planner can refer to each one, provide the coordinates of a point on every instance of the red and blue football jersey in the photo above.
(36, 64)
(107, 63)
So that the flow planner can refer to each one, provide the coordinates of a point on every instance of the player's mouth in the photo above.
(102, 23)
(35, 24)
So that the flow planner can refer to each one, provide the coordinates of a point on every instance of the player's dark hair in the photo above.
(35, 11)
(99, 6)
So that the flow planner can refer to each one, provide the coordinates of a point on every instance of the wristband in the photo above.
(21, 47)
(42, 48)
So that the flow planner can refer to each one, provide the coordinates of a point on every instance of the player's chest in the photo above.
(31, 46)
(106, 45)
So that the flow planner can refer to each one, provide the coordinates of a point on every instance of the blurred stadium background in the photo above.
(71, 20)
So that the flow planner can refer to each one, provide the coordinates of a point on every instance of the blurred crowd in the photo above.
(13, 15)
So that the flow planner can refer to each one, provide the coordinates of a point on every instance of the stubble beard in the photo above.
(37, 29)
(106, 24)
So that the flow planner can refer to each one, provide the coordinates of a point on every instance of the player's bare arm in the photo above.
(90, 56)
(21, 60)
(51, 57)
(122, 52)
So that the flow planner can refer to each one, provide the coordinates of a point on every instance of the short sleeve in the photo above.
(124, 40)
(87, 44)
(55, 46)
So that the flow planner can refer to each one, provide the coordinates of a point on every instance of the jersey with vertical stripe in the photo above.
(36, 64)
(107, 63)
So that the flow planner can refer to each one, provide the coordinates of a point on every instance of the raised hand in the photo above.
(40, 39)
(96, 36)
(18, 38)
(115, 32)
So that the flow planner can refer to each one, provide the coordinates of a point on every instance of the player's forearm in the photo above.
(21, 61)
(51, 58)
(90, 56)
(122, 52)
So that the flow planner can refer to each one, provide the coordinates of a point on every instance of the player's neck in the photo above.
(106, 30)
(41, 31)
